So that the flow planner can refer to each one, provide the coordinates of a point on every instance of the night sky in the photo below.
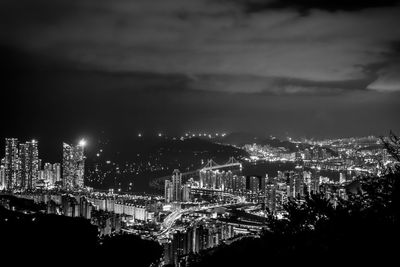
(72, 68)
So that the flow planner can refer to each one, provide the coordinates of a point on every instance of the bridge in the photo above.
(210, 165)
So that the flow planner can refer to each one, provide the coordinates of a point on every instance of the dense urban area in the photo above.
(191, 206)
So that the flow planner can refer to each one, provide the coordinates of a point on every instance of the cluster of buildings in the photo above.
(266, 152)
(206, 229)
(62, 204)
(211, 178)
(108, 212)
(269, 153)
(362, 155)
(297, 185)
(194, 239)
(142, 210)
(21, 169)
(175, 191)
(227, 182)
(77, 206)
(21, 165)
(221, 177)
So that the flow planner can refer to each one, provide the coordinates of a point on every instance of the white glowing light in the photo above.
(82, 142)
(139, 135)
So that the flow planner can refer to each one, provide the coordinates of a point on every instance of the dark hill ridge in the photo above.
(162, 149)
(241, 139)
(151, 159)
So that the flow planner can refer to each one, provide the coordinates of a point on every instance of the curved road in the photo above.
(170, 220)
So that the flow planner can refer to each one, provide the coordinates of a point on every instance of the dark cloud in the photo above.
(306, 5)
(273, 85)
(189, 64)
(208, 38)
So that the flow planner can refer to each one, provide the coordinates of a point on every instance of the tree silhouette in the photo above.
(45, 238)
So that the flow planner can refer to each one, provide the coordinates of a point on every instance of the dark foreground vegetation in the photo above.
(49, 239)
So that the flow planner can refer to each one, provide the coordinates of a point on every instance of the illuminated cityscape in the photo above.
(199, 209)
(199, 133)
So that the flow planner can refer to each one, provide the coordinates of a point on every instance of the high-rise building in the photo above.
(73, 166)
(40, 164)
(254, 184)
(174, 191)
(29, 163)
(48, 174)
(2, 176)
(298, 185)
(168, 191)
(263, 183)
(11, 163)
(176, 185)
(186, 193)
(270, 194)
(307, 176)
(239, 184)
(315, 183)
(22, 179)
(290, 184)
(56, 173)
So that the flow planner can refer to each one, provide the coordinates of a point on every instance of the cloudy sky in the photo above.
(299, 67)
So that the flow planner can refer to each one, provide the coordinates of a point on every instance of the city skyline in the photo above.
(195, 133)
(203, 207)
(22, 169)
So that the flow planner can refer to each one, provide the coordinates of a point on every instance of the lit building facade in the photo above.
(29, 163)
(176, 185)
(73, 168)
(11, 163)
(174, 191)
(56, 173)
(2, 176)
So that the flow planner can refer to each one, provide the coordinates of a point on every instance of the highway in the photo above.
(170, 220)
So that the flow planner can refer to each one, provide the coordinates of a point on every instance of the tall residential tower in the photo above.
(73, 166)
(11, 163)
(29, 163)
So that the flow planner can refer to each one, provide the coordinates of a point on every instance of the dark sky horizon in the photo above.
(284, 67)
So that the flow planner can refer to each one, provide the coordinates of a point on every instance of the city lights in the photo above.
(214, 192)
(200, 133)
(82, 142)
